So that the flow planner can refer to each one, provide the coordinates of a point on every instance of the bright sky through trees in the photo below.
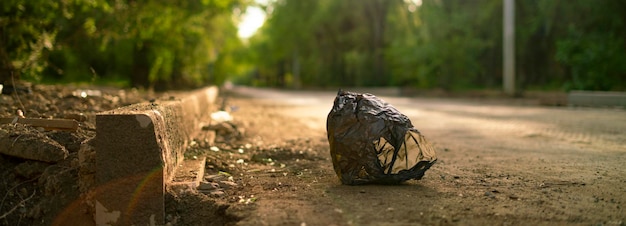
(425, 44)
(252, 20)
(413, 4)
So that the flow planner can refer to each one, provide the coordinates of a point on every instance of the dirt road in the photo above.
(498, 164)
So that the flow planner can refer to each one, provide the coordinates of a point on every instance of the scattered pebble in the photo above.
(216, 177)
(217, 193)
(244, 200)
(227, 184)
(514, 197)
(208, 186)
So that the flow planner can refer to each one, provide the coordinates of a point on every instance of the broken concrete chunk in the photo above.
(28, 143)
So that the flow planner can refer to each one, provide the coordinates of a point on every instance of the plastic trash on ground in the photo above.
(373, 143)
(221, 116)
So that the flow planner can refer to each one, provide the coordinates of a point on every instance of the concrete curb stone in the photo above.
(138, 149)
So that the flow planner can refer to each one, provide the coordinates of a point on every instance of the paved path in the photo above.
(595, 129)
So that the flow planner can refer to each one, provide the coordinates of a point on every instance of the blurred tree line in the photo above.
(143, 43)
(448, 44)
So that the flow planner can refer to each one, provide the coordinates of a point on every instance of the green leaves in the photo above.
(151, 43)
(596, 61)
(447, 44)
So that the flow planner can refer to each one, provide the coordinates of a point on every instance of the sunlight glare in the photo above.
(413, 4)
(252, 20)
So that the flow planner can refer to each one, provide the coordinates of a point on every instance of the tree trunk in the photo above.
(377, 9)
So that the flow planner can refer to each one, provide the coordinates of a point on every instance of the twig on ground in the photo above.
(18, 205)
(7, 194)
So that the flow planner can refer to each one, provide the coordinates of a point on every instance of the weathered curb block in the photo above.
(188, 175)
(595, 98)
(138, 148)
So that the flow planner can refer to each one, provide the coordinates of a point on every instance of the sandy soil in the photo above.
(497, 165)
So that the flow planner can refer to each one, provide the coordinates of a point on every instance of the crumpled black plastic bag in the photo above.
(373, 143)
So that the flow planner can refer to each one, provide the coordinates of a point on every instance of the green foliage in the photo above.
(446, 51)
(596, 61)
(446, 44)
(27, 33)
(593, 50)
(150, 43)
(313, 43)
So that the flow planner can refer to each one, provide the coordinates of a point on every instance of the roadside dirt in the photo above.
(39, 168)
(506, 172)
(271, 166)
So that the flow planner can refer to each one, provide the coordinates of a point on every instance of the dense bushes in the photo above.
(149, 43)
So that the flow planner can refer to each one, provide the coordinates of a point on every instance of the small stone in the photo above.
(227, 184)
(514, 197)
(208, 186)
(216, 177)
(217, 193)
